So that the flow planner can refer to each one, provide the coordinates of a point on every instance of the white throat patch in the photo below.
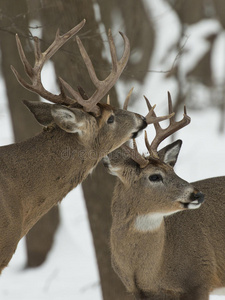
(150, 222)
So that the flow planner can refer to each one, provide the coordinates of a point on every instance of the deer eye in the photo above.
(110, 119)
(155, 178)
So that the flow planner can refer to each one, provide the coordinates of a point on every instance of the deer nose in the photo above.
(144, 122)
(197, 196)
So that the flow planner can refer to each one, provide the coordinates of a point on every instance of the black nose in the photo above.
(199, 196)
(144, 122)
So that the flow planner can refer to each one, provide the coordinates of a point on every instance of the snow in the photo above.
(70, 271)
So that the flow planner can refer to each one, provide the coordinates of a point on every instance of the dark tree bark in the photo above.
(15, 19)
(137, 25)
(220, 11)
(189, 13)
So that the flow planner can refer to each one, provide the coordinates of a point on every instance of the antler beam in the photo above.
(40, 58)
(102, 87)
(162, 134)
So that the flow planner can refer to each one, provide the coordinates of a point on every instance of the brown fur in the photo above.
(38, 173)
(183, 258)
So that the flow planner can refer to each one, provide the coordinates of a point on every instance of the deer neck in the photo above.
(126, 220)
(137, 241)
(125, 211)
(41, 171)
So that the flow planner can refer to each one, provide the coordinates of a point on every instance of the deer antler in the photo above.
(102, 87)
(150, 117)
(40, 58)
(162, 134)
(135, 155)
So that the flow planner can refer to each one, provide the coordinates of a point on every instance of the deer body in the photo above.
(38, 173)
(165, 244)
(183, 258)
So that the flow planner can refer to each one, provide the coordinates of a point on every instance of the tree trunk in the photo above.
(137, 24)
(15, 20)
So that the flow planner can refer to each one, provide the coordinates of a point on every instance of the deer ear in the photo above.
(170, 153)
(41, 111)
(71, 121)
(114, 163)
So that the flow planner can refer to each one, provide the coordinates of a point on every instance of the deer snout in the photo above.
(196, 199)
(197, 196)
(142, 125)
(144, 122)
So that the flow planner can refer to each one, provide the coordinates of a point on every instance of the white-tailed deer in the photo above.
(166, 244)
(36, 174)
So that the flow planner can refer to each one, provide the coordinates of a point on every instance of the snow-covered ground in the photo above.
(70, 271)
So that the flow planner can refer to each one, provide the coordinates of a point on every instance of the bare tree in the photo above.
(15, 19)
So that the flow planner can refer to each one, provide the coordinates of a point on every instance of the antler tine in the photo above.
(151, 117)
(170, 108)
(162, 134)
(40, 58)
(148, 146)
(102, 87)
(108, 100)
(135, 155)
(127, 99)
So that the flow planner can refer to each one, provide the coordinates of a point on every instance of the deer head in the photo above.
(149, 184)
(79, 114)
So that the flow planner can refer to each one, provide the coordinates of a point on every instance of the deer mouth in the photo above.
(144, 124)
(191, 205)
(196, 200)
(195, 203)
(136, 134)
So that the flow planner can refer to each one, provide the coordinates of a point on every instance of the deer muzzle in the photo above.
(143, 125)
(196, 199)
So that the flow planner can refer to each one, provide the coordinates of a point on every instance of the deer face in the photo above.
(116, 126)
(156, 189)
(103, 133)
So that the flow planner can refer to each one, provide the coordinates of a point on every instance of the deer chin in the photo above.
(151, 222)
(192, 205)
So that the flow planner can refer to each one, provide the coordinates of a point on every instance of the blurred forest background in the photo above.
(190, 67)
